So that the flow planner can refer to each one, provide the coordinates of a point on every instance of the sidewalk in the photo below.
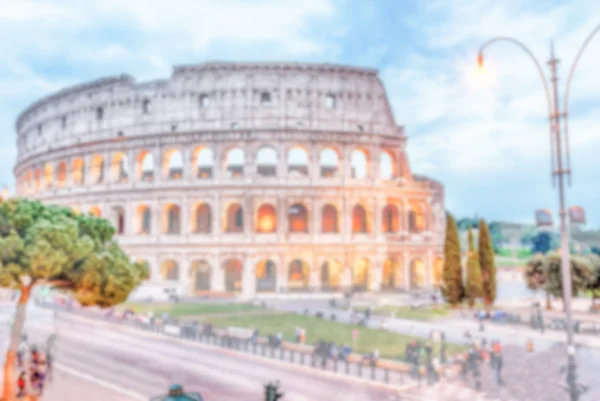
(67, 387)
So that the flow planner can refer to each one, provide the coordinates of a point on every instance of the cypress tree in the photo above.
(453, 288)
(473, 285)
(487, 264)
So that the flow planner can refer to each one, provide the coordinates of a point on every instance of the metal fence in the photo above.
(394, 374)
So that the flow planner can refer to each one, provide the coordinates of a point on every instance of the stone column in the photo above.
(347, 205)
(107, 170)
(218, 172)
(429, 271)
(129, 218)
(377, 218)
(346, 169)
(248, 278)
(281, 162)
(374, 164)
(217, 278)
(315, 227)
(314, 168)
(407, 271)
(216, 228)
(87, 170)
(282, 273)
(376, 275)
(187, 158)
(132, 174)
(185, 217)
(156, 218)
(157, 155)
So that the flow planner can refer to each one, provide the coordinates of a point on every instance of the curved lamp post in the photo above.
(558, 170)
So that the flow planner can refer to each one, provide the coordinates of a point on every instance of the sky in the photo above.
(483, 134)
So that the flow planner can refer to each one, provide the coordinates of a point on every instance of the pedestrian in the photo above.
(50, 352)
(498, 369)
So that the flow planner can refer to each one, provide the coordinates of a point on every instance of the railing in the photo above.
(379, 370)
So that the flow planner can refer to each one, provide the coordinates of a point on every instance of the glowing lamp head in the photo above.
(480, 60)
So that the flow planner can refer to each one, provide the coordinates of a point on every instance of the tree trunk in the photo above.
(9, 392)
(548, 304)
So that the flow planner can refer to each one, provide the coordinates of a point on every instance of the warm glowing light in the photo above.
(480, 60)
(266, 224)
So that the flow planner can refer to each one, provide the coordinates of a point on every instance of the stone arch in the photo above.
(97, 169)
(416, 218)
(392, 276)
(232, 272)
(234, 219)
(61, 174)
(95, 211)
(298, 161)
(203, 158)
(145, 166)
(388, 169)
(200, 275)
(202, 219)
(330, 219)
(331, 275)
(361, 274)
(78, 172)
(438, 270)
(120, 167)
(144, 219)
(298, 275)
(329, 162)
(29, 179)
(169, 270)
(266, 219)
(417, 273)
(298, 218)
(359, 163)
(48, 175)
(266, 275)
(173, 164)
(119, 213)
(235, 159)
(172, 219)
(390, 222)
(266, 162)
(360, 223)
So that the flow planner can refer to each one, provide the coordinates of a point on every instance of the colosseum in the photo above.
(242, 177)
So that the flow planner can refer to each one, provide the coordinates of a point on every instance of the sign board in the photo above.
(172, 330)
(577, 215)
(543, 218)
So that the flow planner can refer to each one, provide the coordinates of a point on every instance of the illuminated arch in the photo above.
(169, 270)
(234, 219)
(144, 219)
(390, 219)
(203, 219)
(361, 274)
(331, 274)
(298, 218)
(266, 275)
(329, 219)
(266, 219)
(172, 219)
(417, 273)
(200, 274)
(232, 273)
(360, 222)
(298, 275)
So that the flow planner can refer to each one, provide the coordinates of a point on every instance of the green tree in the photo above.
(581, 274)
(473, 287)
(535, 276)
(594, 284)
(487, 264)
(452, 281)
(53, 246)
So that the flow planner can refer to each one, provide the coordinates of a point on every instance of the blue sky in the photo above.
(485, 136)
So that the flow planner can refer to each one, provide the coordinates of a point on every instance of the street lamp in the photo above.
(558, 171)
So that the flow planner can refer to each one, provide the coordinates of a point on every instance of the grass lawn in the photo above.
(405, 312)
(519, 253)
(390, 345)
(178, 310)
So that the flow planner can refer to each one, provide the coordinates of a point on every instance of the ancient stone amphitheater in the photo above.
(242, 177)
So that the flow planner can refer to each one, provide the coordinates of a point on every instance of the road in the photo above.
(146, 364)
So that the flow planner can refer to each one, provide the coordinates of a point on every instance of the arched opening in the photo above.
(331, 275)
(417, 274)
(438, 269)
(359, 163)
(172, 222)
(78, 172)
(200, 275)
(203, 219)
(329, 219)
(204, 161)
(330, 101)
(169, 270)
(38, 179)
(144, 218)
(173, 164)
(48, 175)
(234, 162)
(361, 274)
(387, 166)
(298, 275)
(61, 174)
(266, 162)
(120, 167)
(95, 211)
(120, 220)
(29, 180)
(389, 219)
(391, 275)
(329, 162)
(233, 269)
(266, 275)
(416, 219)
(266, 219)
(359, 220)
(297, 162)
(145, 166)
(97, 169)
(234, 219)
(298, 218)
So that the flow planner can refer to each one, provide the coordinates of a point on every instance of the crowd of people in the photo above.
(34, 366)
(480, 352)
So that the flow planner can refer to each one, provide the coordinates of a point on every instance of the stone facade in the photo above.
(242, 177)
